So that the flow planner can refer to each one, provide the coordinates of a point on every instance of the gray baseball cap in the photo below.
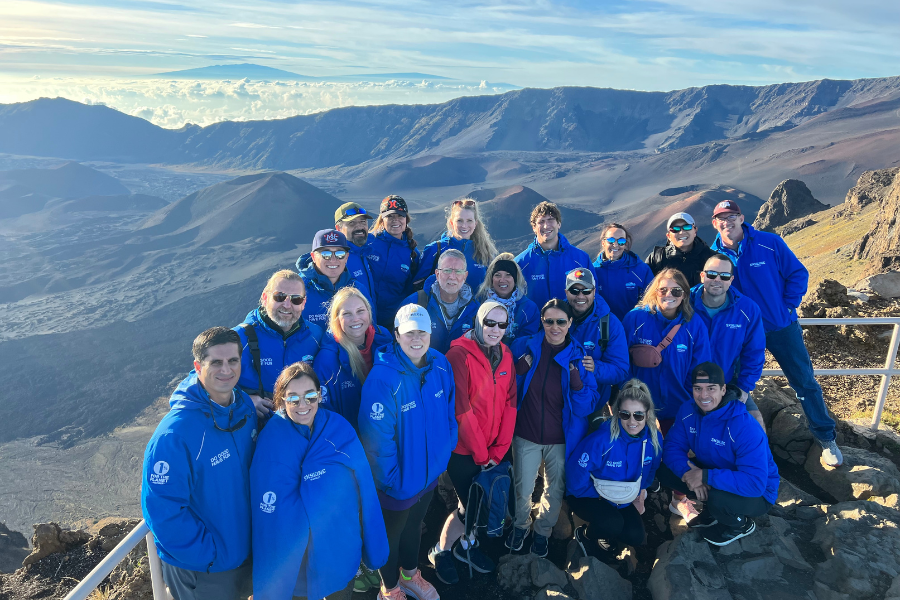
(682, 216)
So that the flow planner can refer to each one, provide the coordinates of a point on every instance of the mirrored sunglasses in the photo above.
(625, 415)
(327, 254)
(676, 292)
(680, 228)
(719, 275)
(308, 398)
(620, 241)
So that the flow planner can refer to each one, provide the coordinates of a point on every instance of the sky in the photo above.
(106, 51)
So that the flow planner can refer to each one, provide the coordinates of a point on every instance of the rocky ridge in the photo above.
(790, 200)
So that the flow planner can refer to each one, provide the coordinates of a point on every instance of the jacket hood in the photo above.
(465, 293)
(628, 260)
(190, 395)
(390, 355)
(563, 245)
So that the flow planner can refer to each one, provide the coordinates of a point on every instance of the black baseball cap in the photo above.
(713, 374)
(393, 205)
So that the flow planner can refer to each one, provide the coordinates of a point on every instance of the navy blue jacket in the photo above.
(393, 266)
(441, 335)
(189, 467)
(428, 264)
(407, 423)
(545, 272)
(622, 282)
(611, 366)
(737, 340)
(769, 273)
(320, 290)
(729, 443)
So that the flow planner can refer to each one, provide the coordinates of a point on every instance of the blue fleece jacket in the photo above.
(768, 272)
(320, 290)
(578, 404)
(729, 444)
(441, 334)
(407, 423)
(341, 389)
(314, 506)
(428, 264)
(545, 272)
(611, 459)
(737, 340)
(670, 382)
(610, 366)
(358, 265)
(195, 490)
(393, 266)
(622, 282)
(275, 350)
(526, 320)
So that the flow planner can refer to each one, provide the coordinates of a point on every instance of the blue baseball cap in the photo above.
(329, 237)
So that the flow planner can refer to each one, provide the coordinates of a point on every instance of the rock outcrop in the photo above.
(528, 576)
(790, 200)
(871, 187)
(13, 549)
(863, 476)
(881, 246)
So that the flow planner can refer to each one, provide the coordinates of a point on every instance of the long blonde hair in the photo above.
(357, 363)
(489, 277)
(651, 295)
(485, 250)
(637, 390)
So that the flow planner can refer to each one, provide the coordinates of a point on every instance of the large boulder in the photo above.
(790, 200)
(863, 475)
(594, 580)
(886, 285)
(871, 187)
(514, 572)
(685, 569)
(49, 539)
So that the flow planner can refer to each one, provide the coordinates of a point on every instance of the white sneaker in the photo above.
(831, 454)
(684, 508)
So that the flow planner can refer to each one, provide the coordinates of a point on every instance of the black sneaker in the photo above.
(582, 540)
(444, 567)
(539, 545)
(703, 520)
(719, 535)
(516, 538)
(473, 557)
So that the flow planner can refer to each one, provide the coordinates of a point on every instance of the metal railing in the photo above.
(886, 373)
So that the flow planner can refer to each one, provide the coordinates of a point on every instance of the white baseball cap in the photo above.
(681, 216)
(412, 317)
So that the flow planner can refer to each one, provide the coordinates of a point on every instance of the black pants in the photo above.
(404, 533)
(723, 506)
(343, 594)
(608, 522)
(198, 585)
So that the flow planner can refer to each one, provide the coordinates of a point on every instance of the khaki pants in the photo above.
(528, 458)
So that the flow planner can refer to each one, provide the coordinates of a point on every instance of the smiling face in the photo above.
(632, 426)
(546, 229)
(301, 412)
(729, 226)
(285, 314)
(356, 230)
(682, 240)
(613, 251)
(580, 303)
(494, 335)
(503, 284)
(330, 267)
(414, 345)
(668, 303)
(219, 371)
(558, 328)
(708, 396)
(463, 226)
(450, 283)
(354, 319)
(716, 287)
(395, 224)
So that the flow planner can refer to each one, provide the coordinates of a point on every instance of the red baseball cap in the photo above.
(726, 206)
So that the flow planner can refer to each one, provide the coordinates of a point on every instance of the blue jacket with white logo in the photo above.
(393, 265)
(769, 273)
(545, 272)
(358, 265)
(441, 335)
(611, 459)
(578, 404)
(729, 444)
(189, 467)
(320, 290)
(407, 423)
(610, 366)
(341, 389)
(526, 321)
(313, 497)
(447, 242)
(670, 382)
(737, 340)
(275, 350)
(622, 282)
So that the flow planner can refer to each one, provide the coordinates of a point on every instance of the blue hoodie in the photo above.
(275, 350)
(611, 459)
(315, 509)
(428, 263)
(195, 491)
(441, 334)
(393, 265)
(611, 366)
(341, 389)
(320, 290)
(737, 340)
(622, 282)
(525, 319)
(729, 444)
(407, 423)
(670, 382)
(769, 273)
(545, 272)
(578, 404)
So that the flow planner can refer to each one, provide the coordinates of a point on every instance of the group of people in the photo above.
(305, 446)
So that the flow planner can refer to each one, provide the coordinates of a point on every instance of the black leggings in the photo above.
(404, 533)
(608, 522)
(462, 470)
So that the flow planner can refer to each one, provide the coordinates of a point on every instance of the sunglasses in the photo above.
(296, 299)
(676, 292)
(559, 322)
(680, 228)
(492, 323)
(352, 212)
(308, 398)
(231, 429)
(465, 202)
(625, 415)
(327, 254)
(581, 291)
(452, 271)
(620, 241)
(728, 218)
(715, 274)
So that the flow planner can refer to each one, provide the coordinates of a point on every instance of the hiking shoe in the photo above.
(516, 538)
(719, 535)
(395, 594)
(831, 454)
(539, 545)
(365, 580)
(705, 519)
(684, 508)
(473, 557)
(444, 567)
(582, 540)
(417, 587)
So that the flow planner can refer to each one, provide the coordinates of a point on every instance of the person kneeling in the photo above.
(608, 474)
(732, 472)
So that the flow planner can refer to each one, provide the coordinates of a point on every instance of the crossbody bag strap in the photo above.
(668, 339)
(253, 346)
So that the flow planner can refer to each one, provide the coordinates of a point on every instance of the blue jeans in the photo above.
(787, 346)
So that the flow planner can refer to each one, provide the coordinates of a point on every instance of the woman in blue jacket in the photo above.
(625, 448)
(315, 510)
(408, 428)
(394, 258)
(505, 284)
(622, 277)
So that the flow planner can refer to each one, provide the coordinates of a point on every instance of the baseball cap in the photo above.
(393, 205)
(329, 237)
(682, 216)
(412, 317)
(580, 275)
(714, 373)
(726, 206)
(349, 210)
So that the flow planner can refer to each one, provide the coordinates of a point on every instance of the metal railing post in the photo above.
(886, 378)
(156, 579)
(109, 562)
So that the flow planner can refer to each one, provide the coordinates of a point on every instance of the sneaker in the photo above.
(474, 557)
(582, 540)
(516, 538)
(539, 545)
(720, 535)
(831, 454)
(684, 508)
(417, 587)
(365, 580)
(703, 520)
(395, 594)
(444, 567)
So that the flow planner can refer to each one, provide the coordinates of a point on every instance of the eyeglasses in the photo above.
(296, 299)
(620, 241)
(676, 292)
(559, 322)
(729, 218)
(581, 291)
(308, 398)
(715, 274)
(467, 202)
(492, 323)
(452, 271)
(625, 415)
(680, 228)
(327, 254)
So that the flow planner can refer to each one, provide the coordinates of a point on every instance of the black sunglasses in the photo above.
(676, 292)
(581, 291)
(559, 322)
(296, 299)
(625, 415)
(720, 275)
(493, 323)
(679, 228)
(231, 429)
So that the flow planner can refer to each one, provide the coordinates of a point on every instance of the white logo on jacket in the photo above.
(268, 502)
(583, 461)
(408, 406)
(758, 264)
(681, 347)
(313, 476)
(404, 267)
(717, 442)
(221, 456)
(538, 276)
(374, 257)
(614, 463)
(377, 413)
(266, 361)
(733, 325)
(159, 476)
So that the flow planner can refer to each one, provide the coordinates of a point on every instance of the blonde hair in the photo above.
(277, 276)
(485, 250)
(637, 390)
(357, 363)
(651, 295)
(489, 277)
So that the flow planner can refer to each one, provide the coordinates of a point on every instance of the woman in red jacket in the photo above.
(486, 411)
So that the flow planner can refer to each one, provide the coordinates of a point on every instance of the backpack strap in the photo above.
(604, 332)
(253, 346)
(668, 339)
(422, 298)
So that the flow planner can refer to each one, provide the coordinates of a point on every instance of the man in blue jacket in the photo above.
(737, 340)
(352, 220)
(195, 493)
(732, 470)
(549, 257)
(275, 335)
(768, 272)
